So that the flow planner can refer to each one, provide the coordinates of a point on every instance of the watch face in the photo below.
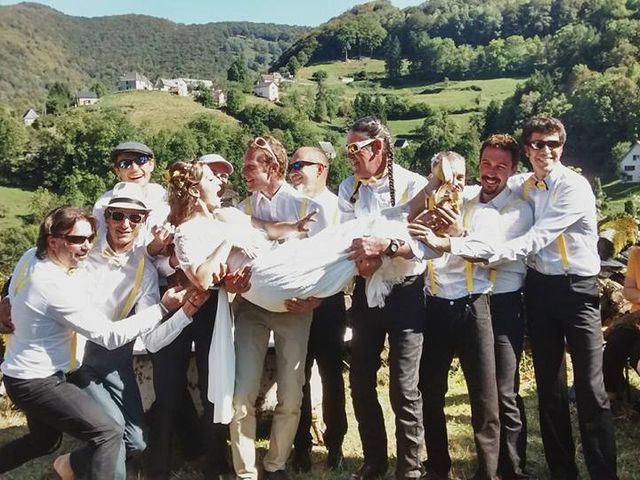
(393, 247)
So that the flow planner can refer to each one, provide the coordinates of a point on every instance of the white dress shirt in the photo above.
(48, 304)
(565, 218)
(328, 202)
(371, 198)
(504, 217)
(126, 282)
(286, 205)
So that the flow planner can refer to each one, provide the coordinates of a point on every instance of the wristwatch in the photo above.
(393, 247)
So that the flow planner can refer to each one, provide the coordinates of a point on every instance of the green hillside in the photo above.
(39, 45)
(14, 206)
(160, 110)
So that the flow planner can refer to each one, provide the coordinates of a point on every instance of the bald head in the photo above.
(308, 170)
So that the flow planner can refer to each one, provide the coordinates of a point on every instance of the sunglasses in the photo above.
(540, 144)
(77, 239)
(264, 145)
(140, 160)
(355, 147)
(299, 165)
(132, 217)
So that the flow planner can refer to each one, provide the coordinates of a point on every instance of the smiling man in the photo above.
(561, 300)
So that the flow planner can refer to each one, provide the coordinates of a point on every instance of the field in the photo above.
(14, 204)
(160, 110)
(618, 193)
(461, 444)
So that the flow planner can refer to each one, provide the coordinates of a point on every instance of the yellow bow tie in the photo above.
(114, 259)
(539, 184)
(368, 181)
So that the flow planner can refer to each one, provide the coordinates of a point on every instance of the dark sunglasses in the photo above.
(299, 165)
(77, 239)
(140, 160)
(120, 216)
(540, 144)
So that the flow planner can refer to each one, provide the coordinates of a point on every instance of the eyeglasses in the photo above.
(77, 239)
(355, 147)
(140, 160)
(264, 145)
(132, 217)
(540, 144)
(299, 165)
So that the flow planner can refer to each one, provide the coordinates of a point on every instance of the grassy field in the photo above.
(158, 110)
(618, 193)
(461, 443)
(14, 203)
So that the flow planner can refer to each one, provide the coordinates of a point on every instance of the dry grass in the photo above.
(460, 438)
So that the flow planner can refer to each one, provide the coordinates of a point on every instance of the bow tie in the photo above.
(115, 260)
(538, 184)
(368, 181)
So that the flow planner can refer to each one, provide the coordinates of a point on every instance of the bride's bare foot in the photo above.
(62, 466)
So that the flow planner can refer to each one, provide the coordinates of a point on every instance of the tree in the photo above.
(204, 97)
(58, 98)
(393, 60)
(13, 142)
(237, 72)
(99, 89)
(236, 100)
(319, 76)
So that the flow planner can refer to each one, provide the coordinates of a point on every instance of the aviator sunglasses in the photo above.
(540, 144)
(140, 160)
(299, 165)
(120, 216)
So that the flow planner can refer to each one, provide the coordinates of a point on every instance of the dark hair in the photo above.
(505, 142)
(374, 128)
(547, 125)
(58, 222)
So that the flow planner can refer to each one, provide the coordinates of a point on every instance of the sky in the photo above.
(292, 12)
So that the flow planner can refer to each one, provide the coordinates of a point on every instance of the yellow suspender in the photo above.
(468, 266)
(405, 196)
(134, 291)
(336, 213)
(248, 207)
(303, 207)
(561, 242)
(21, 281)
(432, 277)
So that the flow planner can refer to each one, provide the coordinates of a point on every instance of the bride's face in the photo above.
(210, 185)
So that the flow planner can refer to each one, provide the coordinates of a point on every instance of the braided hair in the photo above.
(374, 128)
(182, 176)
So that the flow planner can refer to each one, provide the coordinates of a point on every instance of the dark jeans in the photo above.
(170, 383)
(508, 334)
(565, 308)
(623, 346)
(461, 327)
(401, 320)
(53, 406)
(326, 345)
(108, 376)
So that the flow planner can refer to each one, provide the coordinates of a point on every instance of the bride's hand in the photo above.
(238, 281)
(194, 302)
(162, 237)
(301, 225)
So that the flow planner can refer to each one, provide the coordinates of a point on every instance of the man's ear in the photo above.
(152, 165)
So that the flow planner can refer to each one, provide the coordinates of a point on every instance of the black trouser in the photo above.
(400, 319)
(565, 308)
(508, 334)
(53, 406)
(461, 327)
(170, 382)
(326, 345)
(623, 346)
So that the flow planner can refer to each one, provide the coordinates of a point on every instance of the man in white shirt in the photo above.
(561, 301)
(308, 172)
(50, 297)
(379, 183)
(272, 199)
(485, 331)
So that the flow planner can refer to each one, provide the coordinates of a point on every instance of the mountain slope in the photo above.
(39, 45)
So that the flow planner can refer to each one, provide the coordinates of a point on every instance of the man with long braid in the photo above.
(378, 183)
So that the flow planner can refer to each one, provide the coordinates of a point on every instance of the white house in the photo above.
(176, 86)
(85, 98)
(270, 91)
(630, 164)
(134, 81)
(274, 77)
(29, 117)
(195, 82)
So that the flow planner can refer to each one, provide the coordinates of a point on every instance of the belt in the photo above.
(466, 300)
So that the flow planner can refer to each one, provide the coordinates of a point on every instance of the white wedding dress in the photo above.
(318, 266)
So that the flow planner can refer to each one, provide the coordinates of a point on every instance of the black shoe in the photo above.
(277, 475)
(301, 461)
(369, 472)
(433, 476)
(335, 459)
